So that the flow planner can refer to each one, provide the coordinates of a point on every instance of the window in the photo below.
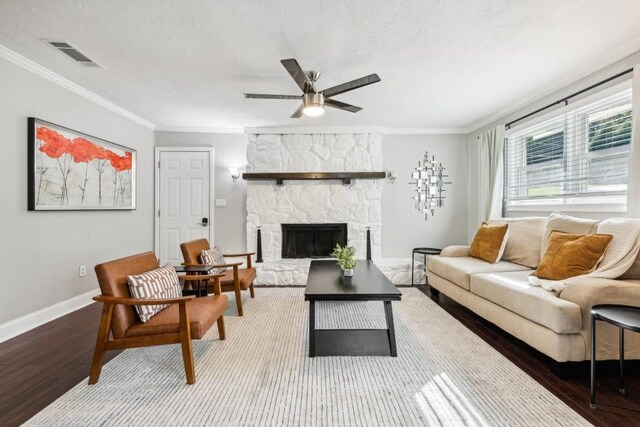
(579, 156)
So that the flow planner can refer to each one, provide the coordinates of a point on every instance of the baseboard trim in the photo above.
(30, 321)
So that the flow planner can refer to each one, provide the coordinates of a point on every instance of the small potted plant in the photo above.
(346, 259)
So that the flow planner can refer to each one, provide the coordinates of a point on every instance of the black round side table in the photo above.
(424, 252)
(622, 316)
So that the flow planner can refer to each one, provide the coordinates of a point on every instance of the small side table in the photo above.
(196, 270)
(622, 316)
(424, 252)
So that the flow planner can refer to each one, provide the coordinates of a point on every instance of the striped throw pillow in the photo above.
(213, 256)
(162, 282)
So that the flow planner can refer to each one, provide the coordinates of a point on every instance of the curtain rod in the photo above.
(566, 99)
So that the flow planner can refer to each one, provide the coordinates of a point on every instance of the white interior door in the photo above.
(184, 201)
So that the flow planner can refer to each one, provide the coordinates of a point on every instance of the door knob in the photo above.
(205, 222)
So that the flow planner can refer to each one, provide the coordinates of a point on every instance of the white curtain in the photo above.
(491, 173)
(633, 187)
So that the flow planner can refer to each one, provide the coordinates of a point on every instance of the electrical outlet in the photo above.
(82, 271)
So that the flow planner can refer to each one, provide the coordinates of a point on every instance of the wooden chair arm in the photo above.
(199, 276)
(142, 301)
(248, 255)
(227, 265)
(231, 264)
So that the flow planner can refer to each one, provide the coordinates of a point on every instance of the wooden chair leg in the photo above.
(239, 301)
(221, 332)
(253, 295)
(103, 337)
(185, 341)
(236, 288)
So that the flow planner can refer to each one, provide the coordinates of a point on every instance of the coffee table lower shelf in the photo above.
(352, 342)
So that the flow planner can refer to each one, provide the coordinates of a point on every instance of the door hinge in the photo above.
(158, 164)
(158, 213)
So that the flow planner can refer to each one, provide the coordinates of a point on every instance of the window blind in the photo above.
(577, 156)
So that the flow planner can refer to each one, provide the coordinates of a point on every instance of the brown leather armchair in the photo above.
(235, 278)
(187, 318)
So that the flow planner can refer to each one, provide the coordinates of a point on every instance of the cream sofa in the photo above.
(556, 325)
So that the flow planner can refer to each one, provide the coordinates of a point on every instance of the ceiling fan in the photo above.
(313, 102)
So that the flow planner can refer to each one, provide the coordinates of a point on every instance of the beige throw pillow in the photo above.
(567, 224)
(525, 239)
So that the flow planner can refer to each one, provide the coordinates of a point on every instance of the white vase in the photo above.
(348, 272)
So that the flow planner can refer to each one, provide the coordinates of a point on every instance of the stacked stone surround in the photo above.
(358, 204)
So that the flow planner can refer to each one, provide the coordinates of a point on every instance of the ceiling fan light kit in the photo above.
(313, 102)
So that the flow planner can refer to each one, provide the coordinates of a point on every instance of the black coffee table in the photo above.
(326, 283)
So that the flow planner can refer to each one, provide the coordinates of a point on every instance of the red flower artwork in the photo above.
(81, 150)
(54, 144)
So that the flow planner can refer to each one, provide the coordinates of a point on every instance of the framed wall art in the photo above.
(70, 170)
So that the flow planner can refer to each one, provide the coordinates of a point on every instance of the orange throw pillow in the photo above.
(489, 243)
(569, 255)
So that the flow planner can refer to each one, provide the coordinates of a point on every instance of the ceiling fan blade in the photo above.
(265, 96)
(298, 113)
(353, 84)
(341, 105)
(298, 75)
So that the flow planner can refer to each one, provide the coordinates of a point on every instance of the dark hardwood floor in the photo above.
(41, 365)
(573, 390)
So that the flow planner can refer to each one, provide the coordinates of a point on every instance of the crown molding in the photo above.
(312, 129)
(355, 129)
(424, 131)
(45, 73)
(160, 128)
(592, 67)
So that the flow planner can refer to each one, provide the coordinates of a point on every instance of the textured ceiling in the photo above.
(443, 64)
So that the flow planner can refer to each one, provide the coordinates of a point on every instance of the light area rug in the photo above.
(444, 375)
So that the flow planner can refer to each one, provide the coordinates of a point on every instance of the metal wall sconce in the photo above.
(391, 176)
(235, 174)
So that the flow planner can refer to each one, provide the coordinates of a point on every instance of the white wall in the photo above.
(544, 100)
(40, 252)
(403, 227)
(230, 151)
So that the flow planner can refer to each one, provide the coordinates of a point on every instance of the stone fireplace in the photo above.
(305, 203)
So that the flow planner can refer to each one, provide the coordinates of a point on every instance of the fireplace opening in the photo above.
(312, 240)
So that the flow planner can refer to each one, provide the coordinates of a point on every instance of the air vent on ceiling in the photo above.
(72, 52)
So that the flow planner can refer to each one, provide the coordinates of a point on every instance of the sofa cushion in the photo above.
(489, 242)
(511, 290)
(457, 270)
(567, 224)
(202, 313)
(525, 239)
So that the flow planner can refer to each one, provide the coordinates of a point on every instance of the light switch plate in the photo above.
(221, 203)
